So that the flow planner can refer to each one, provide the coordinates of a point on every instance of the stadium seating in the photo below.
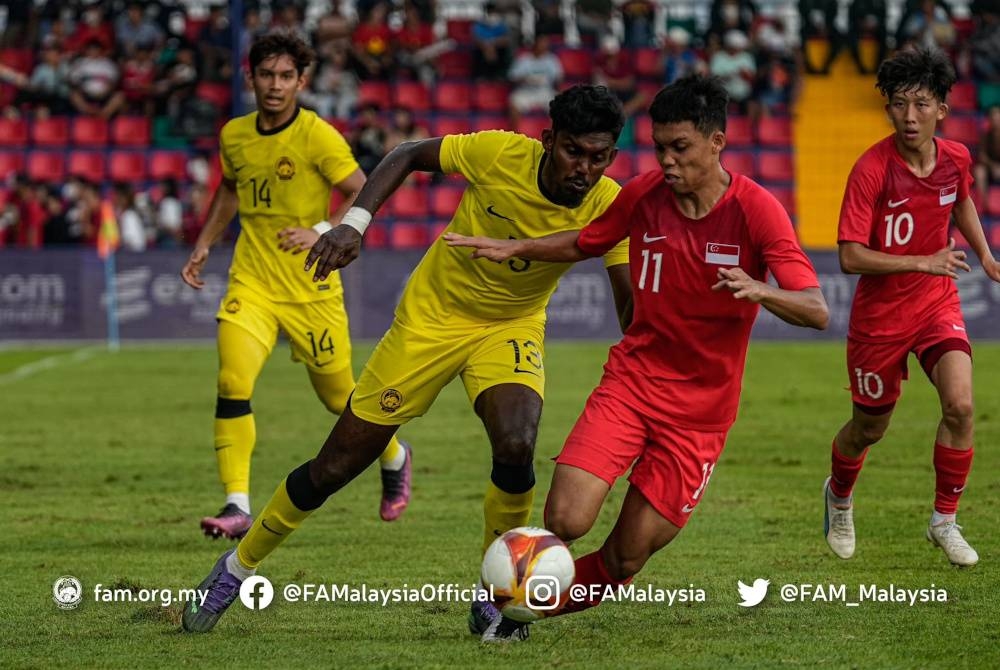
(642, 130)
(412, 94)
(490, 96)
(452, 96)
(408, 202)
(739, 131)
(740, 162)
(444, 201)
(993, 202)
(46, 166)
(577, 64)
(533, 125)
(404, 235)
(775, 131)
(50, 132)
(490, 122)
(168, 164)
(89, 131)
(455, 64)
(132, 131)
(449, 125)
(219, 94)
(775, 166)
(88, 164)
(11, 163)
(646, 161)
(459, 30)
(786, 196)
(622, 169)
(963, 97)
(127, 166)
(962, 128)
(377, 236)
(375, 92)
(647, 63)
(14, 132)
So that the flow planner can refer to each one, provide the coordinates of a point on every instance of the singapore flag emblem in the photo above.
(722, 254)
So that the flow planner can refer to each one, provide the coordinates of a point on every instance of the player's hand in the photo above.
(742, 285)
(947, 261)
(333, 250)
(296, 239)
(191, 272)
(992, 269)
(485, 247)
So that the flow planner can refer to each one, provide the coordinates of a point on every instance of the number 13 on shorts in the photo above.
(527, 356)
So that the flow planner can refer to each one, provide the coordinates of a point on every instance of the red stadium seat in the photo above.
(964, 129)
(490, 122)
(648, 63)
(774, 131)
(437, 230)
(533, 125)
(775, 166)
(739, 131)
(646, 161)
(46, 166)
(13, 132)
(786, 196)
(374, 92)
(962, 97)
(993, 202)
(622, 169)
(219, 94)
(89, 131)
(50, 132)
(450, 125)
(642, 130)
(740, 162)
(409, 202)
(376, 237)
(343, 126)
(453, 96)
(167, 164)
(576, 63)
(491, 96)
(459, 30)
(455, 64)
(11, 163)
(127, 166)
(409, 236)
(444, 201)
(22, 60)
(89, 164)
(132, 131)
(412, 94)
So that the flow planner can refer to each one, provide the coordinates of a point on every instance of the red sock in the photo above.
(592, 572)
(952, 467)
(845, 472)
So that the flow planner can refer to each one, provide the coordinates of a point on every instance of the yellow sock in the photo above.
(503, 511)
(392, 456)
(275, 523)
(234, 442)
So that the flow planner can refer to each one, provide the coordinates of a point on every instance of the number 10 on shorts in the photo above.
(869, 384)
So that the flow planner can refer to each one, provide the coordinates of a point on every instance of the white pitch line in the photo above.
(47, 363)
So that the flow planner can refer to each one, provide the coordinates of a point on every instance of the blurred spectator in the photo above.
(93, 27)
(195, 210)
(332, 34)
(214, 46)
(287, 17)
(178, 81)
(403, 127)
(367, 139)
(57, 229)
(548, 19)
(984, 45)
(987, 168)
(637, 19)
(416, 48)
(139, 79)
(491, 55)
(47, 89)
(777, 81)
(536, 75)
(253, 26)
(133, 28)
(130, 225)
(15, 33)
(818, 22)
(94, 79)
(593, 20)
(679, 59)
(169, 216)
(866, 19)
(24, 221)
(83, 210)
(736, 66)
(616, 70)
(333, 87)
(371, 44)
(927, 25)
(728, 15)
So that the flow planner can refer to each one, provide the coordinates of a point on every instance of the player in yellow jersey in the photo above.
(457, 318)
(278, 166)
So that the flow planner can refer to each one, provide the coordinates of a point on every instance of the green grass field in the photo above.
(106, 466)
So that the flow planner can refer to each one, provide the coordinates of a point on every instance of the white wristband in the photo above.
(357, 218)
(323, 227)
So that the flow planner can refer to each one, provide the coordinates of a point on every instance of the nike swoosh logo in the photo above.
(263, 522)
(957, 490)
(954, 327)
(225, 446)
(897, 203)
(237, 169)
(687, 509)
(647, 239)
(493, 212)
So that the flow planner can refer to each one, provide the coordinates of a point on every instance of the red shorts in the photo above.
(672, 464)
(877, 369)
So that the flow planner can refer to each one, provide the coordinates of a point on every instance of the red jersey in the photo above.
(681, 359)
(889, 209)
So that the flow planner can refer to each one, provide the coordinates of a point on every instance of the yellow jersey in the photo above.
(284, 177)
(502, 200)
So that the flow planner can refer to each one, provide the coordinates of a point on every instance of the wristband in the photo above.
(357, 218)
(323, 227)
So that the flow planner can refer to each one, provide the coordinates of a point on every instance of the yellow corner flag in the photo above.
(108, 238)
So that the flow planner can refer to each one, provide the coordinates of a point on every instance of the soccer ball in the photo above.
(530, 571)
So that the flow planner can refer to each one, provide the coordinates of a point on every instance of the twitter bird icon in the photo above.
(752, 595)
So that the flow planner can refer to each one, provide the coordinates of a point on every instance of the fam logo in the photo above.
(285, 168)
(233, 305)
(390, 401)
(67, 592)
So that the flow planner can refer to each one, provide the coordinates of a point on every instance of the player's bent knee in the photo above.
(568, 524)
(515, 446)
(957, 414)
(234, 385)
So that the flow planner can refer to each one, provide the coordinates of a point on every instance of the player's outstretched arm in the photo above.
(341, 245)
(805, 307)
(222, 210)
(296, 239)
(556, 248)
(857, 259)
(968, 223)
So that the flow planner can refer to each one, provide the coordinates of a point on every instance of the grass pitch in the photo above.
(106, 467)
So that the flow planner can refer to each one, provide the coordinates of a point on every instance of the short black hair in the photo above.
(701, 100)
(912, 69)
(584, 108)
(281, 44)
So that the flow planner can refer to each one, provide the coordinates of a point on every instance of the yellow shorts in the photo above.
(317, 331)
(409, 367)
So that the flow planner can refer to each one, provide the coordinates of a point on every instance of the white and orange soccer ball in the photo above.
(530, 571)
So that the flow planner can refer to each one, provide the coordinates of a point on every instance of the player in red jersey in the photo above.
(894, 233)
(701, 243)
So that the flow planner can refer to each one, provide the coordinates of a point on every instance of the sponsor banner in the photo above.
(60, 295)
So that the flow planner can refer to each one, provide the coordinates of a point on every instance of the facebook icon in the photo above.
(256, 592)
